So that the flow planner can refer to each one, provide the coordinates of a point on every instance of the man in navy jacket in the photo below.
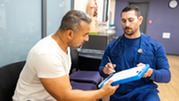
(133, 49)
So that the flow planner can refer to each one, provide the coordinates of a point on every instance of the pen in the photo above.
(110, 61)
(111, 64)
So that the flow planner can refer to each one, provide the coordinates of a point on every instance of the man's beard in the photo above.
(128, 33)
(78, 47)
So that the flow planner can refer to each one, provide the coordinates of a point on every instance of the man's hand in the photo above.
(108, 89)
(109, 68)
(148, 73)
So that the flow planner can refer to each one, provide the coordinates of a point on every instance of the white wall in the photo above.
(100, 9)
(82, 5)
(112, 10)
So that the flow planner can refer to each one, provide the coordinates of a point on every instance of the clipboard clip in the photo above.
(142, 67)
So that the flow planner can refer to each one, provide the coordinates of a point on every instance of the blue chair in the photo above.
(83, 79)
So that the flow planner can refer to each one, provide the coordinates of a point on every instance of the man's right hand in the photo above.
(108, 89)
(109, 68)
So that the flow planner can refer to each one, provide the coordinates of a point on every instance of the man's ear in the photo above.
(140, 19)
(70, 34)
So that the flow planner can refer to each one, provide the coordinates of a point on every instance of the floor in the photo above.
(170, 91)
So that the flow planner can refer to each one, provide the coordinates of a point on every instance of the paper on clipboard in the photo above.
(128, 75)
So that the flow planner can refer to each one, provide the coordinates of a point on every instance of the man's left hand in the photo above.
(148, 73)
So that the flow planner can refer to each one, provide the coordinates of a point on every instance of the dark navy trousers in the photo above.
(138, 95)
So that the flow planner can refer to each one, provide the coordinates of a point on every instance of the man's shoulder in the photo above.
(45, 45)
(115, 41)
(150, 41)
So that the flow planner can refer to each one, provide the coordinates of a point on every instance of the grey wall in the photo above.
(164, 19)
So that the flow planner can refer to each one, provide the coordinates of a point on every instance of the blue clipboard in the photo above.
(127, 75)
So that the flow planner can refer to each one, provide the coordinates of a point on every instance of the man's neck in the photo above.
(135, 35)
(60, 41)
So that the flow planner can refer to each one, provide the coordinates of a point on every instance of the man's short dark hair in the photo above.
(72, 20)
(132, 7)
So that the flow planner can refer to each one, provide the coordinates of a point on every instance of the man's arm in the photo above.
(106, 68)
(161, 72)
(60, 88)
(160, 75)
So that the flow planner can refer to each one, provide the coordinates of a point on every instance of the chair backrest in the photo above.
(9, 75)
(74, 59)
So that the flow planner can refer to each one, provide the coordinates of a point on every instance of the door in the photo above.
(143, 6)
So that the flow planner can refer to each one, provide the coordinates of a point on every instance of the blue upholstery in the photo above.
(82, 77)
(86, 76)
(83, 86)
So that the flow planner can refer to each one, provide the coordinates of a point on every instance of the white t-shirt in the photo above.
(45, 60)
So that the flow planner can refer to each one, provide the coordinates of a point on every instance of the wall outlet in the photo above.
(166, 35)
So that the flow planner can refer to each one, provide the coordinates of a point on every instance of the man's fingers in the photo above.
(140, 64)
(109, 83)
(146, 75)
(116, 86)
(114, 65)
(111, 66)
(109, 69)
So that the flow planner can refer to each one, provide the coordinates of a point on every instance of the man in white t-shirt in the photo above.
(45, 76)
